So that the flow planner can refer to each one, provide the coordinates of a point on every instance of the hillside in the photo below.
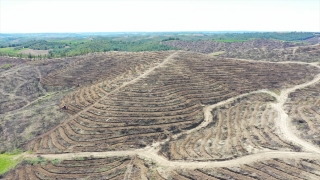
(178, 114)
(257, 49)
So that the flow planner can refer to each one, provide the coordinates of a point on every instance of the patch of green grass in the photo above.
(56, 161)
(216, 53)
(80, 158)
(9, 160)
(12, 52)
(6, 66)
(9, 50)
(38, 160)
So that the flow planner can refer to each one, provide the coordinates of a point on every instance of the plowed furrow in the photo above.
(196, 174)
(261, 174)
(178, 176)
(307, 119)
(210, 175)
(111, 113)
(77, 100)
(229, 144)
(233, 174)
(314, 166)
(238, 134)
(44, 142)
(155, 175)
(190, 146)
(22, 174)
(61, 175)
(279, 172)
(173, 150)
(302, 173)
(74, 170)
(106, 123)
(87, 95)
(31, 173)
(288, 169)
(244, 126)
(160, 125)
(36, 145)
(217, 138)
(55, 141)
(204, 141)
(89, 162)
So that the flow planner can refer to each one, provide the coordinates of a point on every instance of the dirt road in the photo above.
(152, 155)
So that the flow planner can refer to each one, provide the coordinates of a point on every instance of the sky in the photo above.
(40, 16)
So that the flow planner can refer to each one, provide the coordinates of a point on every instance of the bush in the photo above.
(6, 66)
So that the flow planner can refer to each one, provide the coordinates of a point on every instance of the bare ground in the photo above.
(151, 152)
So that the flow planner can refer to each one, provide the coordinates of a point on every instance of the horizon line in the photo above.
(198, 31)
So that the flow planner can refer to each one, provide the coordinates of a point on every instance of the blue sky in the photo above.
(30, 16)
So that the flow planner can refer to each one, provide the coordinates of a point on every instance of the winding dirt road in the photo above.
(284, 119)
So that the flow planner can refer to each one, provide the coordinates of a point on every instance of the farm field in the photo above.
(239, 113)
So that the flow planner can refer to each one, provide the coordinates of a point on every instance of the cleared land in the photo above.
(303, 107)
(132, 167)
(258, 49)
(270, 169)
(165, 115)
(239, 128)
(164, 102)
(88, 168)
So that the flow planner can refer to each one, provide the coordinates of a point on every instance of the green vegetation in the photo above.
(63, 45)
(171, 39)
(38, 160)
(56, 161)
(216, 53)
(240, 37)
(10, 51)
(9, 160)
(6, 66)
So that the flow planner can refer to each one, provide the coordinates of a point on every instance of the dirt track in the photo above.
(151, 152)
(285, 120)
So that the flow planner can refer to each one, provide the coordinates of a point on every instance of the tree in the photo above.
(30, 56)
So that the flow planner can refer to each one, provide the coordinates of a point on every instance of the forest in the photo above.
(66, 45)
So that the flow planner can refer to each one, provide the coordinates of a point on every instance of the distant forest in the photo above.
(63, 45)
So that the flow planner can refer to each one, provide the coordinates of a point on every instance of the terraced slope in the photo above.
(109, 66)
(244, 126)
(135, 168)
(27, 107)
(272, 169)
(165, 100)
(211, 118)
(303, 107)
(29, 95)
(85, 168)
